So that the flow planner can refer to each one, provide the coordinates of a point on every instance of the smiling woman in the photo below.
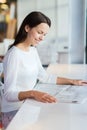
(22, 67)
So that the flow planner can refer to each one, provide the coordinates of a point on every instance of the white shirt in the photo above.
(21, 71)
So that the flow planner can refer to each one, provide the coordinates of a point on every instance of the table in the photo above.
(76, 71)
(35, 115)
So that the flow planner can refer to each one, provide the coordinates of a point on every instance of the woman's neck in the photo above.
(24, 46)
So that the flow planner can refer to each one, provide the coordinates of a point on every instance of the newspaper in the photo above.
(65, 93)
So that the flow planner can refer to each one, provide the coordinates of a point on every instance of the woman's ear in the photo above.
(27, 28)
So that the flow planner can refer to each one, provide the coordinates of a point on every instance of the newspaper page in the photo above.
(65, 93)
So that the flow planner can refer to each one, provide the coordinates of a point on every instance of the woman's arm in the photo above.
(37, 95)
(66, 81)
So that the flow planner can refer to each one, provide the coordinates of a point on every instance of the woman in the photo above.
(22, 67)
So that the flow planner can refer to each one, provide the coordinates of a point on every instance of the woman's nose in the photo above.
(41, 37)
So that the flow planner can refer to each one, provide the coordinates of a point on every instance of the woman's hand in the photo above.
(79, 82)
(66, 81)
(43, 97)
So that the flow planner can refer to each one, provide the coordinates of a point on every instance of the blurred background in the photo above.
(66, 40)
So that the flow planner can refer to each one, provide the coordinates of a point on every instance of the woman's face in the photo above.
(37, 34)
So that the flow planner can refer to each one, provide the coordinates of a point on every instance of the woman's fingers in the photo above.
(84, 83)
(49, 98)
(80, 82)
(44, 97)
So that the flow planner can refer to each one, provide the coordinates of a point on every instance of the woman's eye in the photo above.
(42, 33)
(39, 32)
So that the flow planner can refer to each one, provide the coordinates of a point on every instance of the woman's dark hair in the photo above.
(33, 19)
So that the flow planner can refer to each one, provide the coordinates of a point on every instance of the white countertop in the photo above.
(76, 71)
(39, 116)
(35, 115)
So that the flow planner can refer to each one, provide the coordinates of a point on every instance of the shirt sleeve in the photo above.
(43, 76)
(10, 67)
